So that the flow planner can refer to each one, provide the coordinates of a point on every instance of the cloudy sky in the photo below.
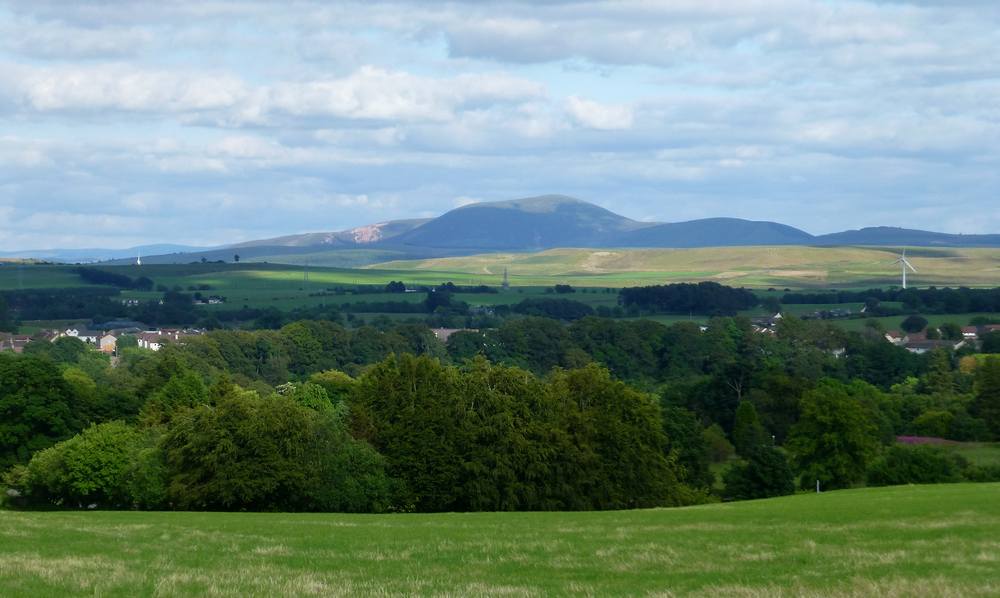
(212, 121)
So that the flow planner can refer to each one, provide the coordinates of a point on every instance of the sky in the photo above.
(210, 122)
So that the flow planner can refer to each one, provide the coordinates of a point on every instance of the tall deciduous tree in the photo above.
(834, 439)
(748, 433)
(246, 452)
(6, 322)
(764, 474)
(987, 401)
(37, 408)
(411, 410)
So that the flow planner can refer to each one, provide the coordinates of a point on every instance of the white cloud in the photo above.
(264, 118)
(369, 93)
(58, 40)
(595, 115)
(119, 87)
(373, 93)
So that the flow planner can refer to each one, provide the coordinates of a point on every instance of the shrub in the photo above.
(718, 446)
(914, 323)
(835, 438)
(270, 454)
(914, 465)
(90, 468)
(748, 433)
(765, 473)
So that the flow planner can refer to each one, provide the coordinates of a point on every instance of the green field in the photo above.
(893, 322)
(277, 285)
(986, 454)
(287, 287)
(757, 267)
(901, 541)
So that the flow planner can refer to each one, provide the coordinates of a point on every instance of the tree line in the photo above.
(930, 300)
(535, 414)
(706, 298)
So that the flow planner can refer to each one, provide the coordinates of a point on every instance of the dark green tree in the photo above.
(304, 350)
(913, 323)
(91, 467)
(685, 440)
(940, 378)
(338, 385)
(65, 349)
(748, 433)
(991, 342)
(538, 345)
(987, 402)
(37, 408)
(182, 391)
(466, 344)
(6, 320)
(719, 448)
(257, 454)
(951, 331)
(411, 410)
(500, 463)
(764, 474)
(914, 465)
(835, 438)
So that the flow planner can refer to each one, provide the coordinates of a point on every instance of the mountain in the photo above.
(100, 255)
(340, 248)
(521, 224)
(528, 224)
(362, 235)
(719, 232)
(888, 235)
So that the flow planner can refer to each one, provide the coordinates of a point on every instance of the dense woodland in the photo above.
(535, 414)
(440, 307)
(929, 300)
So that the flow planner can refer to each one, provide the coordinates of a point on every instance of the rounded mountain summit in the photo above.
(550, 221)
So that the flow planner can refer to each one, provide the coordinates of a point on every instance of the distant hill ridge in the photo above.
(532, 224)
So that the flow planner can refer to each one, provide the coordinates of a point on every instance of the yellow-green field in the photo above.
(902, 541)
(761, 267)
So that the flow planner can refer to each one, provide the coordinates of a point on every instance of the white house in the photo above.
(108, 343)
(155, 339)
(87, 336)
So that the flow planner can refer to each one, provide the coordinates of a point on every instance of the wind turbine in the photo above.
(904, 264)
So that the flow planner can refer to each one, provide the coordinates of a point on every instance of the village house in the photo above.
(896, 337)
(78, 332)
(443, 334)
(13, 342)
(766, 325)
(154, 340)
(108, 343)
(923, 346)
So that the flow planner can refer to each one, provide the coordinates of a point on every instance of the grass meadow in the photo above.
(286, 287)
(902, 541)
(757, 267)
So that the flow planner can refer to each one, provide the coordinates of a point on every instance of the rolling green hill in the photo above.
(900, 541)
(762, 267)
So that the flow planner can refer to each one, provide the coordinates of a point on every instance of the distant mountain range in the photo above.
(530, 224)
(100, 255)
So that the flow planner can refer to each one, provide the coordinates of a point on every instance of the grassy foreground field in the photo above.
(902, 541)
